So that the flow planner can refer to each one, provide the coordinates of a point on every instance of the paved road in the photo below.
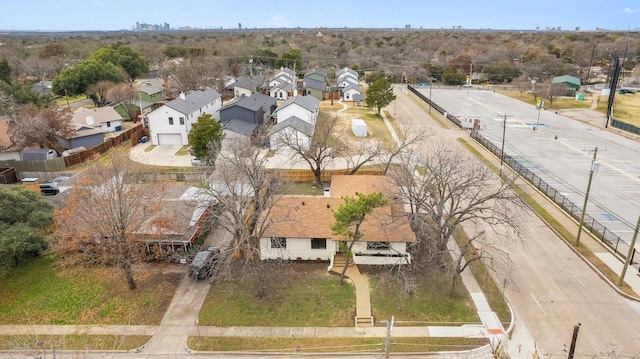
(550, 288)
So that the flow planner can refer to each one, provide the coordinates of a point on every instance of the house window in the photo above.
(318, 243)
(108, 123)
(171, 120)
(278, 242)
(378, 246)
(153, 95)
(182, 120)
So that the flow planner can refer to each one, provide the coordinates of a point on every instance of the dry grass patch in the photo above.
(330, 345)
(49, 343)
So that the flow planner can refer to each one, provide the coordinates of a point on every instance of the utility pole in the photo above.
(572, 348)
(387, 343)
(594, 168)
(629, 254)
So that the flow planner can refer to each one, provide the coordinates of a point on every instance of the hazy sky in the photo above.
(428, 14)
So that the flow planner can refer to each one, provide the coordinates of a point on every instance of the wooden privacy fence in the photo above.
(132, 135)
(300, 175)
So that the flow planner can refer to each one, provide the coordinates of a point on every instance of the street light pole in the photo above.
(594, 167)
(430, 103)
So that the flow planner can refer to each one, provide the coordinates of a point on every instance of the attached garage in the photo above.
(170, 139)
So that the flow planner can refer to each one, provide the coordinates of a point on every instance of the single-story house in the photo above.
(174, 225)
(570, 81)
(170, 123)
(85, 136)
(299, 227)
(105, 118)
(350, 91)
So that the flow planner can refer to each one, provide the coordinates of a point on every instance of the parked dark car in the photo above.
(202, 265)
(626, 92)
(49, 189)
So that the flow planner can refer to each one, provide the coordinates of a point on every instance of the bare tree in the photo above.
(195, 74)
(323, 147)
(446, 190)
(409, 136)
(34, 126)
(555, 90)
(244, 193)
(106, 207)
(98, 92)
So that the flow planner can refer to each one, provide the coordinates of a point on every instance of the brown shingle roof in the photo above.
(290, 218)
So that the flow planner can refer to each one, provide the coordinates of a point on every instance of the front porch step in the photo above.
(364, 321)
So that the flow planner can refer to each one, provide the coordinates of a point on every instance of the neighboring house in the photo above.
(245, 86)
(305, 108)
(105, 118)
(174, 224)
(314, 83)
(170, 124)
(85, 136)
(246, 114)
(42, 87)
(350, 91)
(292, 130)
(347, 81)
(571, 82)
(346, 72)
(7, 150)
(283, 84)
(289, 116)
(150, 92)
(299, 227)
(282, 91)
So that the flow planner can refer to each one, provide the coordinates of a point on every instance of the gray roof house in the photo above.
(246, 113)
(170, 123)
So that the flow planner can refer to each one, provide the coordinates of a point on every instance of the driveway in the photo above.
(148, 154)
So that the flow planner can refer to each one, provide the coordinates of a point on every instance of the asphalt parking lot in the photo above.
(560, 149)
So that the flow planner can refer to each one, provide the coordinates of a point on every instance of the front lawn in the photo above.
(306, 295)
(40, 293)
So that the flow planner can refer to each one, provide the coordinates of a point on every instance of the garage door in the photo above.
(169, 139)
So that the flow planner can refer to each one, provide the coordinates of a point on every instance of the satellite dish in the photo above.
(90, 120)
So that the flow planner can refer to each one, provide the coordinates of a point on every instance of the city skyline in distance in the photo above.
(114, 15)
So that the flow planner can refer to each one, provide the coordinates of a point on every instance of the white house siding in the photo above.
(279, 94)
(348, 95)
(159, 120)
(296, 248)
(397, 248)
(241, 91)
(295, 110)
(159, 123)
(302, 139)
(110, 126)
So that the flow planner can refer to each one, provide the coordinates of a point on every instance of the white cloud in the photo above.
(627, 10)
(279, 21)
